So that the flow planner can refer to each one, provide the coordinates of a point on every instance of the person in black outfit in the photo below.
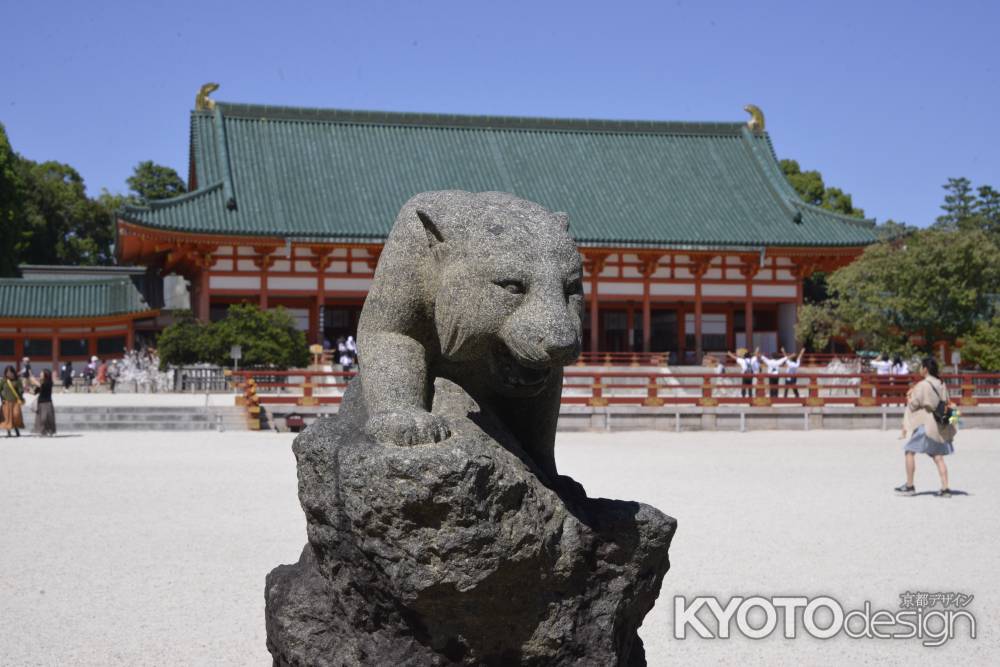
(67, 375)
(45, 417)
(25, 373)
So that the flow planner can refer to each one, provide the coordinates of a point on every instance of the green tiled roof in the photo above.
(343, 175)
(56, 299)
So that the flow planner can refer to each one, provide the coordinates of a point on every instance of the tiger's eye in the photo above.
(512, 286)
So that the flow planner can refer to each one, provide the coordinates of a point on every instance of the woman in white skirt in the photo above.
(926, 435)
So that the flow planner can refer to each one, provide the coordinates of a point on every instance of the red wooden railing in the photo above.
(642, 388)
(634, 359)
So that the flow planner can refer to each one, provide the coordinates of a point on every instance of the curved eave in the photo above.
(716, 246)
(71, 320)
(768, 163)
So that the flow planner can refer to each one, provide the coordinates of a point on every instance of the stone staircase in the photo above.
(71, 419)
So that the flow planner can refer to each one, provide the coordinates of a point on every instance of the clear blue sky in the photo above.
(886, 99)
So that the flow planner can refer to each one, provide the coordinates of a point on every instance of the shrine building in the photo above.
(692, 238)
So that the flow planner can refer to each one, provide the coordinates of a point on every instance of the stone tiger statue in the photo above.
(484, 290)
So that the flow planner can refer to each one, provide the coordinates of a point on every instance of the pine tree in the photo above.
(958, 203)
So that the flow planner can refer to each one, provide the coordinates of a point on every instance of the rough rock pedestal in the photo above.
(460, 552)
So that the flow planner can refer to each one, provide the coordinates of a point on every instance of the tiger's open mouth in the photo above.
(516, 374)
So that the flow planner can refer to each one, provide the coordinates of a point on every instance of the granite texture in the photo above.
(439, 529)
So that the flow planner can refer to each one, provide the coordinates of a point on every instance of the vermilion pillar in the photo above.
(314, 316)
(55, 354)
(595, 265)
(646, 316)
(203, 303)
(697, 319)
(263, 288)
(594, 319)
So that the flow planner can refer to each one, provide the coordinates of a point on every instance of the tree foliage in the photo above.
(60, 224)
(967, 209)
(46, 216)
(267, 338)
(890, 229)
(183, 342)
(11, 224)
(936, 283)
(812, 189)
(818, 324)
(982, 346)
(959, 202)
(150, 181)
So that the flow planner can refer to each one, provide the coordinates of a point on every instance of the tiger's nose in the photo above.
(563, 348)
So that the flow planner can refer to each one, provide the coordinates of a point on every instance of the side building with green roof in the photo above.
(70, 315)
(693, 240)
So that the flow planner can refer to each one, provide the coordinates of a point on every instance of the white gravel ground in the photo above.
(151, 548)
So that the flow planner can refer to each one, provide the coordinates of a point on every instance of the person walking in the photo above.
(12, 397)
(66, 375)
(102, 374)
(25, 373)
(927, 420)
(344, 355)
(352, 349)
(90, 372)
(45, 414)
(113, 372)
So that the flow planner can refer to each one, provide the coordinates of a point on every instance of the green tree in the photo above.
(890, 229)
(183, 342)
(267, 338)
(811, 188)
(937, 284)
(982, 346)
(818, 324)
(150, 181)
(61, 225)
(12, 233)
(958, 204)
(987, 208)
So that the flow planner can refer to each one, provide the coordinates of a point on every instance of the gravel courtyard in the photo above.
(151, 548)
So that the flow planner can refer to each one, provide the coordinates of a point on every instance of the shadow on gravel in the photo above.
(954, 492)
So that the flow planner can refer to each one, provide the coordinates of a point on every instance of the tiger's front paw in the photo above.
(407, 427)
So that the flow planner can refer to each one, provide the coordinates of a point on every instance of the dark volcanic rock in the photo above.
(459, 552)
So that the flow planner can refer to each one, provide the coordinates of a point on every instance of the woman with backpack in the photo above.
(928, 422)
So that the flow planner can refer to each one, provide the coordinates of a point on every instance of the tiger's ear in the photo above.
(563, 219)
(434, 236)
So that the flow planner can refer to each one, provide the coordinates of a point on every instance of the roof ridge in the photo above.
(158, 204)
(360, 116)
(67, 281)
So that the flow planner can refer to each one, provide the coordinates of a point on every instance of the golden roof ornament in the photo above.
(202, 102)
(756, 122)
